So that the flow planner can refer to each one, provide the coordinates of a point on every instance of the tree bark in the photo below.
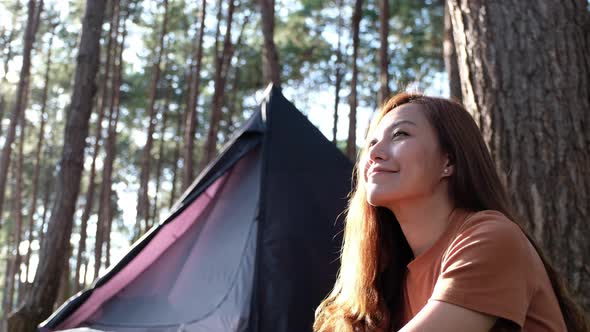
(85, 274)
(46, 206)
(109, 225)
(15, 284)
(143, 198)
(34, 10)
(38, 151)
(221, 67)
(154, 215)
(110, 72)
(14, 262)
(18, 205)
(270, 56)
(191, 109)
(450, 56)
(100, 108)
(232, 102)
(383, 51)
(54, 253)
(352, 99)
(176, 157)
(65, 288)
(217, 63)
(104, 205)
(525, 77)
(339, 73)
(105, 209)
(165, 112)
(2, 107)
(18, 209)
(8, 274)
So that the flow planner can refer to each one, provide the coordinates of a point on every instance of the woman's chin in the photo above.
(379, 200)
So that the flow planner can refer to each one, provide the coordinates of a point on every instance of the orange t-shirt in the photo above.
(484, 262)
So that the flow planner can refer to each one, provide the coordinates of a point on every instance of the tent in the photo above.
(252, 245)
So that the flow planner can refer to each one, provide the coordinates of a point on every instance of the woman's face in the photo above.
(404, 160)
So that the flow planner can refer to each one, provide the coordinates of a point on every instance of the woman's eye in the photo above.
(399, 133)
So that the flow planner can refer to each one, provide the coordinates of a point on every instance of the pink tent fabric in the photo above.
(163, 240)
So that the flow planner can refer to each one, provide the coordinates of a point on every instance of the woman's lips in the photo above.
(380, 171)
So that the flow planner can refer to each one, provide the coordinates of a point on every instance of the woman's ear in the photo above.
(449, 168)
(448, 171)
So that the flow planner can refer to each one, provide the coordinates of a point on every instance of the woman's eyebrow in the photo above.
(392, 126)
(400, 122)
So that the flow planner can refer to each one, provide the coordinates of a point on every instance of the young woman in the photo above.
(431, 243)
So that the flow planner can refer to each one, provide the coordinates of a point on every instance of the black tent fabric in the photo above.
(297, 202)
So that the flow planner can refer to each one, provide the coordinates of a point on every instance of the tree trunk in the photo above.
(38, 151)
(65, 288)
(12, 261)
(46, 206)
(85, 274)
(154, 215)
(191, 109)
(339, 73)
(270, 56)
(2, 107)
(15, 285)
(109, 226)
(112, 140)
(383, 51)
(105, 209)
(18, 212)
(232, 102)
(217, 61)
(100, 108)
(54, 253)
(8, 279)
(450, 55)
(143, 198)
(525, 77)
(165, 112)
(352, 100)
(221, 66)
(104, 206)
(176, 157)
(34, 10)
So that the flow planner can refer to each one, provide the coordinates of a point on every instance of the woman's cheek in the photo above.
(364, 164)
(409, 153)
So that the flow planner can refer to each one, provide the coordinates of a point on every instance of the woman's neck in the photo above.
(423, 220)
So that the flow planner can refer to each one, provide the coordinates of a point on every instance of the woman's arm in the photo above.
(442, 317)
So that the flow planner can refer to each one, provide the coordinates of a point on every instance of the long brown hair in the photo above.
(367, 295)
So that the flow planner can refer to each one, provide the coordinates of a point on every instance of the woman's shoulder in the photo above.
(489, 222)
(490, 216)
(490, 266)
(490, 232)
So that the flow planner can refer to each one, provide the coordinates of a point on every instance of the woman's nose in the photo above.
(376, 152)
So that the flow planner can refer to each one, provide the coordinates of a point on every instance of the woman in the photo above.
(430, 242)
